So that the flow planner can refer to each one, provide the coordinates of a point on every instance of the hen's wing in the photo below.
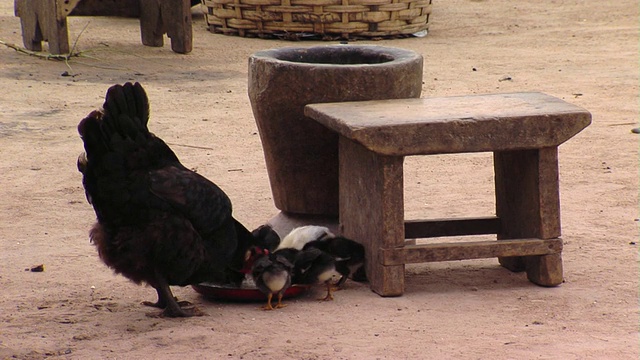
(203, 203)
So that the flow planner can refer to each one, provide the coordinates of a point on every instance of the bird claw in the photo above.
(180, 312)
(156, 304)
(181, 309)
(267, 307)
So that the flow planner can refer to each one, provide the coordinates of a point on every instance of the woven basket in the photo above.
(329, 19)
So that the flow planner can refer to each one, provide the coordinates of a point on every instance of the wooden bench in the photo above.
(46, 20)
(523, 130)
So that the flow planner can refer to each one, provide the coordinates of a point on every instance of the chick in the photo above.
(272, 275)
(349, 256)
(314, 266)
(302, 235)
(267, 236)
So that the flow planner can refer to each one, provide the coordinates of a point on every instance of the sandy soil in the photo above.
(583, 52)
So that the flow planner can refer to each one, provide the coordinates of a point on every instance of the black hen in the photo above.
(158, 222)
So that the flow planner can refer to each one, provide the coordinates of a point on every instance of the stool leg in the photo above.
(151, 25)
(31, 33)
(178, 24)
(39, 21)
(528, 205)
(372, 210)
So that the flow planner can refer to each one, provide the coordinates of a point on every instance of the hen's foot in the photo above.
(180, 311)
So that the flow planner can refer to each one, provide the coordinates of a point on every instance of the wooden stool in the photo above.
(523, 130)
(46, 20)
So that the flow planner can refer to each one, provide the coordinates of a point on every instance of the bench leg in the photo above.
(179, 24)
(151, 25)
(39, 21)
(528, 204)
(172, 17)
(372, 210)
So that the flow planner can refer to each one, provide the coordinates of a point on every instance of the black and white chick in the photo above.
(272, 274)
(300, 236)
(315, 267)
(348, 255)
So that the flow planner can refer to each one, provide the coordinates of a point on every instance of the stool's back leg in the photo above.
(528, 205)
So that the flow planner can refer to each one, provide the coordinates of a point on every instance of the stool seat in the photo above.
(523, 130)
(454, 124)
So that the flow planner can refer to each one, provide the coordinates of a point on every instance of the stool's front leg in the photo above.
(178, 24)
(152, 27)
(372, 210)
(43, 20)
(528, 205)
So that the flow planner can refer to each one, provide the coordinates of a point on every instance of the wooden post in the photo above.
(528, 204)
(172, 17)
(40, 21)
(372, 210)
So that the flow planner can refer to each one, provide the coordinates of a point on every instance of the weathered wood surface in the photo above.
(440, 125)
(372, 210)
(410, 254)
(40, 21)
(523, 130)
(528, 202)
(545, 270)
(46, 20)
(172, 17)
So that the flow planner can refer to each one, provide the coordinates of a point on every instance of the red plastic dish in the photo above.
(215, 291)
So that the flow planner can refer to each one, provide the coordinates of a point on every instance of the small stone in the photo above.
(37, 268)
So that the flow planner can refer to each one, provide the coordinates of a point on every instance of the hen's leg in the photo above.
(161, 303)
(171, 306)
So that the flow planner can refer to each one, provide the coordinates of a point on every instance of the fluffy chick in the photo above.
(315, 267)
(348, 254)
(265, 235)
(300, 236)
(272, 275)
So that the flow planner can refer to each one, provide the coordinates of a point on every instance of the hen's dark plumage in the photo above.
(158, 222)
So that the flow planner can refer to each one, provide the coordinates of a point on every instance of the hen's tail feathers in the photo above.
(126, 109)
(125, 113)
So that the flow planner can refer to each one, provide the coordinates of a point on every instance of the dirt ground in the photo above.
(580, 51)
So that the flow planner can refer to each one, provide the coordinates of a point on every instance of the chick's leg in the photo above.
(268, 306)
(280, 304)
(329, 296)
